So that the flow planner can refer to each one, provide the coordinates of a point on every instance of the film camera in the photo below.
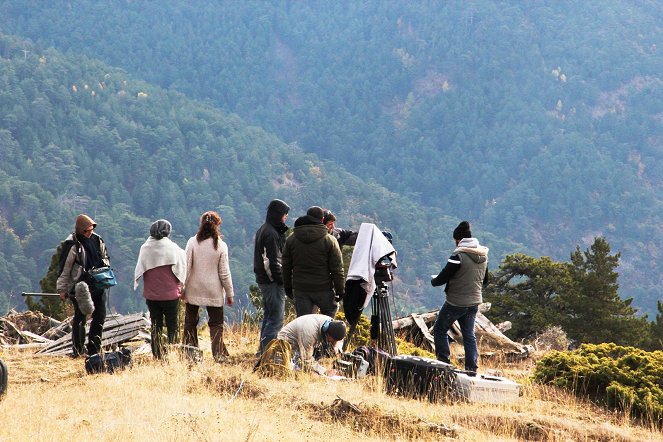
(351, 365)
(383, 271)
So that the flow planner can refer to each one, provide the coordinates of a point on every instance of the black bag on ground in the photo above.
(108, 362)
(378, 360)
(419, 378)
(3, 379)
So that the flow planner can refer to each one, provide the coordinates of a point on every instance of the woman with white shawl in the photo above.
(162, 265)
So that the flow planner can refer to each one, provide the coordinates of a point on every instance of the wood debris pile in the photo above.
(418, 328)
(25, 328)
(51, 337)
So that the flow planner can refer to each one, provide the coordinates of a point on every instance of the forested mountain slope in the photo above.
(79, 136)
(540, 121)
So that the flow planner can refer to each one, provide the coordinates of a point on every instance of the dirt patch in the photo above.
(374, 421)
(233, 386)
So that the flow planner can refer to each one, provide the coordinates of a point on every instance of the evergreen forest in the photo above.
(541, 122)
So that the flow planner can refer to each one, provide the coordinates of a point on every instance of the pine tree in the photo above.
(594, 312)
(526, 291)
(657, 328)
(50, 306)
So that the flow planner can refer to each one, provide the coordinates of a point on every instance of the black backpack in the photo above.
(64, 248)
(109, 362)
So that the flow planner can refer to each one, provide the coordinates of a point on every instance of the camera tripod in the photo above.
(382, 328)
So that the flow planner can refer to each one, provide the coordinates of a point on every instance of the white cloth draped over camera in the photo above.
(371, 246)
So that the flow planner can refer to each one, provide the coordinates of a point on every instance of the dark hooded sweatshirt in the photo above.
(312, 260)
(270, 239)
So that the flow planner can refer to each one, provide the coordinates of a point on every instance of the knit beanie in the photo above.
(160, 228)
(83, 222)
(316, 212)
(462, 231)
(336, 330)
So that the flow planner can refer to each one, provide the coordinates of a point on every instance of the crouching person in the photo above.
(309, 333)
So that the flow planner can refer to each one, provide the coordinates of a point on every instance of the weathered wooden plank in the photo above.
(117, 329)
(36, 337)
(15, 329)
(423, 328)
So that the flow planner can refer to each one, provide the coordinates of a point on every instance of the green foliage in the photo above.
(557, 116)
(127, 153)
(407, 348)
(594, 312)
(527, 291)
(657, 327)
(50, 306)
(362, 333)
(530, 120)
(622, 378)
(580, 296)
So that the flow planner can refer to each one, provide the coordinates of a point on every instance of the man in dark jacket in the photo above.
(313, 266)
(269, 242)
(465, 275)
(343, 236)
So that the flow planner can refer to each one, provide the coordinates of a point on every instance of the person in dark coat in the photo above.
(269, 242)
(313, 266)
(343, 236)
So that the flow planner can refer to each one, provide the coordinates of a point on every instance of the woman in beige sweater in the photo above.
(208, 283)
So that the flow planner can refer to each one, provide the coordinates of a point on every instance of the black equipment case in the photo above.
(419, 378)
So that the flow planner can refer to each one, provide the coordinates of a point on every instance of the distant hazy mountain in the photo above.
(541, 122)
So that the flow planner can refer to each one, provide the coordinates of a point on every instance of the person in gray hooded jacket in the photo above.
(465, 275)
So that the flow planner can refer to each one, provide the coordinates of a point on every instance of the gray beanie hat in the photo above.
(160, 228)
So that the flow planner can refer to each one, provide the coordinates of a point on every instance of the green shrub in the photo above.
(362, 333)
(407, 348)
(621, 378)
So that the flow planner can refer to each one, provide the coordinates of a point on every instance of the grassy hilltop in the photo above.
(51, 398)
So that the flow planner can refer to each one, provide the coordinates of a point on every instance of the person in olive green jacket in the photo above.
(313, 266)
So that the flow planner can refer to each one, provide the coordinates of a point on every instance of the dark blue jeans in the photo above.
(466, 316)
(273, 305)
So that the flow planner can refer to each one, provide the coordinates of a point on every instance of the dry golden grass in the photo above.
(51, 398)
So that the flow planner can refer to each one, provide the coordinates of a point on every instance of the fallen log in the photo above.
(417, 329)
